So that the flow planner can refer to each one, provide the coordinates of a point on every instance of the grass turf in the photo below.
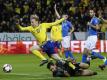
(26, 67)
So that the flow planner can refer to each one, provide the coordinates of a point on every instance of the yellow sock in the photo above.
(71, 65)
(38, 54)
(60, 53)
(51, 59)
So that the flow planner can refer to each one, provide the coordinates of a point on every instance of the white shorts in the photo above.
(91, 41)
(66, 42)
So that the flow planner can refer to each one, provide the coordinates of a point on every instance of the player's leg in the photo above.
(35, 50)
(86, 73)
(89, 45)
(86, 50)
(98, 55)
(103, 66)
(94, 53)
(85, 55)
(66, 52)
(66, 45)
(56, 56)
(49, 49)
(84, 65)
(58, 48)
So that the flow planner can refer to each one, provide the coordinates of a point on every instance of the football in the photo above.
(7, 68)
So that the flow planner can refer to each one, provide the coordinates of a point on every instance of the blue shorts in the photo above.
(49, 48)
(58, 44)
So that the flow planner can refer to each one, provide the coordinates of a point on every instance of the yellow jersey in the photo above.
(56, 33)
(40, 32)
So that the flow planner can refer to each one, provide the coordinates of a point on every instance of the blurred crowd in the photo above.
(10, 10)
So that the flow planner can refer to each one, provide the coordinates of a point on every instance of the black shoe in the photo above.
(88, 62)
(102, 67)
(93, 57)
(43, 62)
(94, 73)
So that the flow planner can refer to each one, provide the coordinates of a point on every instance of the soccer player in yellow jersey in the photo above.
(39, 32)
(56, 36)
(101, 18)
(56, 33)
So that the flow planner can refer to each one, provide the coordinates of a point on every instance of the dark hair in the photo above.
(92, 8)
(50, 64)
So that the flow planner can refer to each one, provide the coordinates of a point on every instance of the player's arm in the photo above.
(49, 25)
(100, 17)
(72, 29)
(22, 28)
(56, 12)
(105, 21)
(95, 26)
(66, 74)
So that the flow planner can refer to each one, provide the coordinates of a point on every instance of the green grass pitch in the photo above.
(26, 67)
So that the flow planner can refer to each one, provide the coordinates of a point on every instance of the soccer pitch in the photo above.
(26, 67)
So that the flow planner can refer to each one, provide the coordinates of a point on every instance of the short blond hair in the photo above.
(34, 16)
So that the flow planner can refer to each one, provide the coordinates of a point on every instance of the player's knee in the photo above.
(34, 48)
(86, 51)
(65, 49)
(84, 65)
(55, 56)
(31, 49)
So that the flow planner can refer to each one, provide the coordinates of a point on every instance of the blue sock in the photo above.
(98, 55)
(66, 54)
(105, 63)
(71, 55)
(84, 58)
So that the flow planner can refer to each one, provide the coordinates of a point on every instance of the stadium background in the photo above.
(22, 9)
(11, 10)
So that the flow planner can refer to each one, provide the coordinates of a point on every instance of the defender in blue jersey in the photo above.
(66, 28)
(90, 43)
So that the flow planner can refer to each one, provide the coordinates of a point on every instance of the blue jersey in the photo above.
(66, 26)
(94, 21)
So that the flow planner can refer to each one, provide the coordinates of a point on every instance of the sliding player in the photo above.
(59, 69)
(39, 32)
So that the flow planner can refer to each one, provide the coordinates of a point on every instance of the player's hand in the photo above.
(88, 23)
